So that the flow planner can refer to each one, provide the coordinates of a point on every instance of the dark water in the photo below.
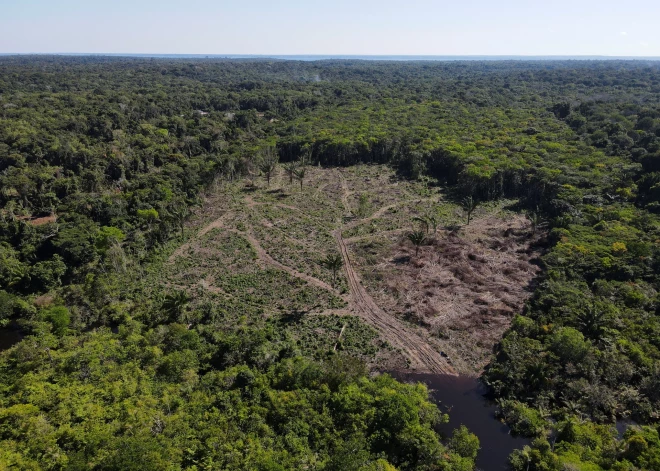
(9, 336)
(463, 399)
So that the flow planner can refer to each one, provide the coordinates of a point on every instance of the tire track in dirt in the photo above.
(250, 203)
(266, 258)
(422, 357)
(344, 192)
(382, 211)
(261, 252)
(351, 240)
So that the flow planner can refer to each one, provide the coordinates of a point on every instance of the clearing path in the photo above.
(344, 192)
(421, 355)
(217, 224)
(263, 255)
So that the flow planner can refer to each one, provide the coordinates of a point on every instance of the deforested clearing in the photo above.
(442, 310)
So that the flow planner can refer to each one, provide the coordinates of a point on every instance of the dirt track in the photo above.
(421, 355)
(263, 255)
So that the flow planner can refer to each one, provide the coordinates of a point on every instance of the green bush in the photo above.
(59, 317)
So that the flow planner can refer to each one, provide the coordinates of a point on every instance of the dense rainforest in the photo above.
(102, 161)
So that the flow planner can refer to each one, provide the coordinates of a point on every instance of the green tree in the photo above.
(569, 344)
(268, 164)
(175, 304)
(469, 204)
(417, 238)
(12, 270)
(333, 262)
(464, 443)
(59, 317)
(300, 175)
(290, 169)
(107, 236)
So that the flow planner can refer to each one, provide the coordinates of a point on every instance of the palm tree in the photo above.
(428, 222)
(433, 222)
(269, 164)
(417, 238)
(299, 173)
(290, 170)
(333, 263)
(423, 221)
(536, 221)
(469, 204)
(175, 304)
(268, 168)
(593, 321)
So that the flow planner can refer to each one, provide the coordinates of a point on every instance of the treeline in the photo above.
(588, 344)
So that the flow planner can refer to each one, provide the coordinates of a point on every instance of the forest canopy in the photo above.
(102, 161)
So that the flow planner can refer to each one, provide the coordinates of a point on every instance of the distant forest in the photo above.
(102, 160)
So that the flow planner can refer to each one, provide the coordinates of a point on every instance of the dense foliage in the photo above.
(101, 160)
(154, 400)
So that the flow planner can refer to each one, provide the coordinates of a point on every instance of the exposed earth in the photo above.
(441, 310)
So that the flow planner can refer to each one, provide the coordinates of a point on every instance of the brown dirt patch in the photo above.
(39, 221)
(463, 288)
(421, 355)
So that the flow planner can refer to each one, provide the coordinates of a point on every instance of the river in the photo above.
(463, 399)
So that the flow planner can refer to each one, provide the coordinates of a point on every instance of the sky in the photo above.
(332, 27)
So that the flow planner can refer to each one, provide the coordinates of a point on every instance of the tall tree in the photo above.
(268, 164)
(290, 169)
(300, 175)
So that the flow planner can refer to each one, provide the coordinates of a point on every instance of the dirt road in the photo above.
(421, 355)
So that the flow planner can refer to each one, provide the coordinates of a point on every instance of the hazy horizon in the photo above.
(343, 28)
(319, 57)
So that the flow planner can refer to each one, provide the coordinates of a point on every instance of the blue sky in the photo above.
(418, 27)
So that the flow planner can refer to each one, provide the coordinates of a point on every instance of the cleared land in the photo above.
(440, 311)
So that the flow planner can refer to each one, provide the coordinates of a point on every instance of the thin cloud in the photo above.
(623, 33)
(644, 44)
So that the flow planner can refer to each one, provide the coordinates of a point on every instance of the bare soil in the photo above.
(464, 288)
